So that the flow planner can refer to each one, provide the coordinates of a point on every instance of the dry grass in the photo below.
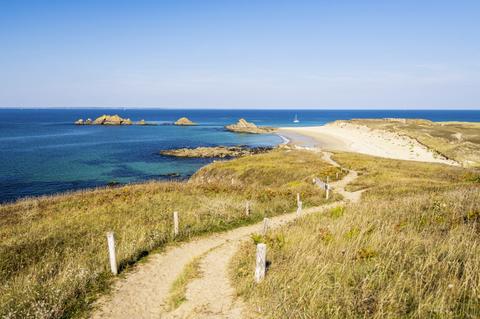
(459, 141)
(387, 178)
(177, 293)
(53, 254)
(400, 253)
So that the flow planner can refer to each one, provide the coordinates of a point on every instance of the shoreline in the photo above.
(354, 138)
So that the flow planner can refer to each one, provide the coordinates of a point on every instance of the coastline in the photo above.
(360, 139)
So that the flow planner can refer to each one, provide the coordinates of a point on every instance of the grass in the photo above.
(53, 251)
(388, 179)
(459, 141)
(177, 293)
(409, 249)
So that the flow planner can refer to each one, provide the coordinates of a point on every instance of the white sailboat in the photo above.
(295, 120)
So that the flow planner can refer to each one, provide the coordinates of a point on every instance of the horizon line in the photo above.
(239, 108)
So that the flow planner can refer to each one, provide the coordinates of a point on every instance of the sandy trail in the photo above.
(144, 291)
(361, 139)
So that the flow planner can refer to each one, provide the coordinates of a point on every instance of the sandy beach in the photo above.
(342, 136)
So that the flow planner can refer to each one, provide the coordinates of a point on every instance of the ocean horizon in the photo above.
(44, 153)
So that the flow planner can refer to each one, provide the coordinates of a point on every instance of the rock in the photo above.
(242, 126)
(111, 120)
(215, 152)
(126, 122)
(184, 121)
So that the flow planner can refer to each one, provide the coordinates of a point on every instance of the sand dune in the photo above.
(341, 136)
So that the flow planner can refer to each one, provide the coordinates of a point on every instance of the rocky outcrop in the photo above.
(111, 120)
(183, 121)
(215, 152)
(242, 126)
(106, 120)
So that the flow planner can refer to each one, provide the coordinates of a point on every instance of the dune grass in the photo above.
(409, 249)
(459, 141)
(177, 293)
(53, 254)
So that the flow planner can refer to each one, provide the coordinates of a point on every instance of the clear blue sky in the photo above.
(201, 53)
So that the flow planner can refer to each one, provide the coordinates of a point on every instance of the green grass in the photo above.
(177, 293)
(409, 249)
(53, 251)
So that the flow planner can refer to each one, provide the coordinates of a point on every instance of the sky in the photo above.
(240, 54)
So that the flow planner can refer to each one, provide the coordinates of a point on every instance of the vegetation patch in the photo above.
(53, 250)
(409, 249)
(177, 294)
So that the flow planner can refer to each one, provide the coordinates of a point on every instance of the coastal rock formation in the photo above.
(183, 121)
(141, 122)
(242, 126)
(111, 120)
(105, 120)
(217, 151)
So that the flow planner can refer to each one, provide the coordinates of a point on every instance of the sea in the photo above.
(42, 152)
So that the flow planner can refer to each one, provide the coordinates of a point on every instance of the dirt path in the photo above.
(339, 186)
(142, 294)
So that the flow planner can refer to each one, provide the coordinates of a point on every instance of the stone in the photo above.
(242, 126)
(183, 121)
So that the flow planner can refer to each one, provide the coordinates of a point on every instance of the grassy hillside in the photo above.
(409, 249)
(459, 141)
(53, 254)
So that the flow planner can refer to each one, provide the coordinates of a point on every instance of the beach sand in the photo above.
(341, 136)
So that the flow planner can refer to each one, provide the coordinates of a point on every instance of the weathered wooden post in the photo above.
(298, 198)
(327, 191)
(247, 208)
(328, 177)
(111, 253)
(175, 223)
(299, 208)
(336, 175)
(261, 262)
(265, 225)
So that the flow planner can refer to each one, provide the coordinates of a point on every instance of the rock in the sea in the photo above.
(88, 121)
(242, 126)
(216, 151)
(79, 122)
(111, 120)
(141, 122)
(184, 121)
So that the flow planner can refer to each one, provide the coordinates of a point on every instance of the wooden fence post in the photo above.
(111, 253)
(175, 223)
(261, 261)
(299, 208)
(298, 198)
(247, 208)
(265, 225)
(327, 191)
(336, 175)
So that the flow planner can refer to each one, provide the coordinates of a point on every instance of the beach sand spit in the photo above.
(343, 136)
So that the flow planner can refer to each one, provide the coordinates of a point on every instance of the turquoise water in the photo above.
(42, 152)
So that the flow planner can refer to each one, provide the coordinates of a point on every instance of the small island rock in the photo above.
(184, 121)
(215, 152)
(242, 126)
